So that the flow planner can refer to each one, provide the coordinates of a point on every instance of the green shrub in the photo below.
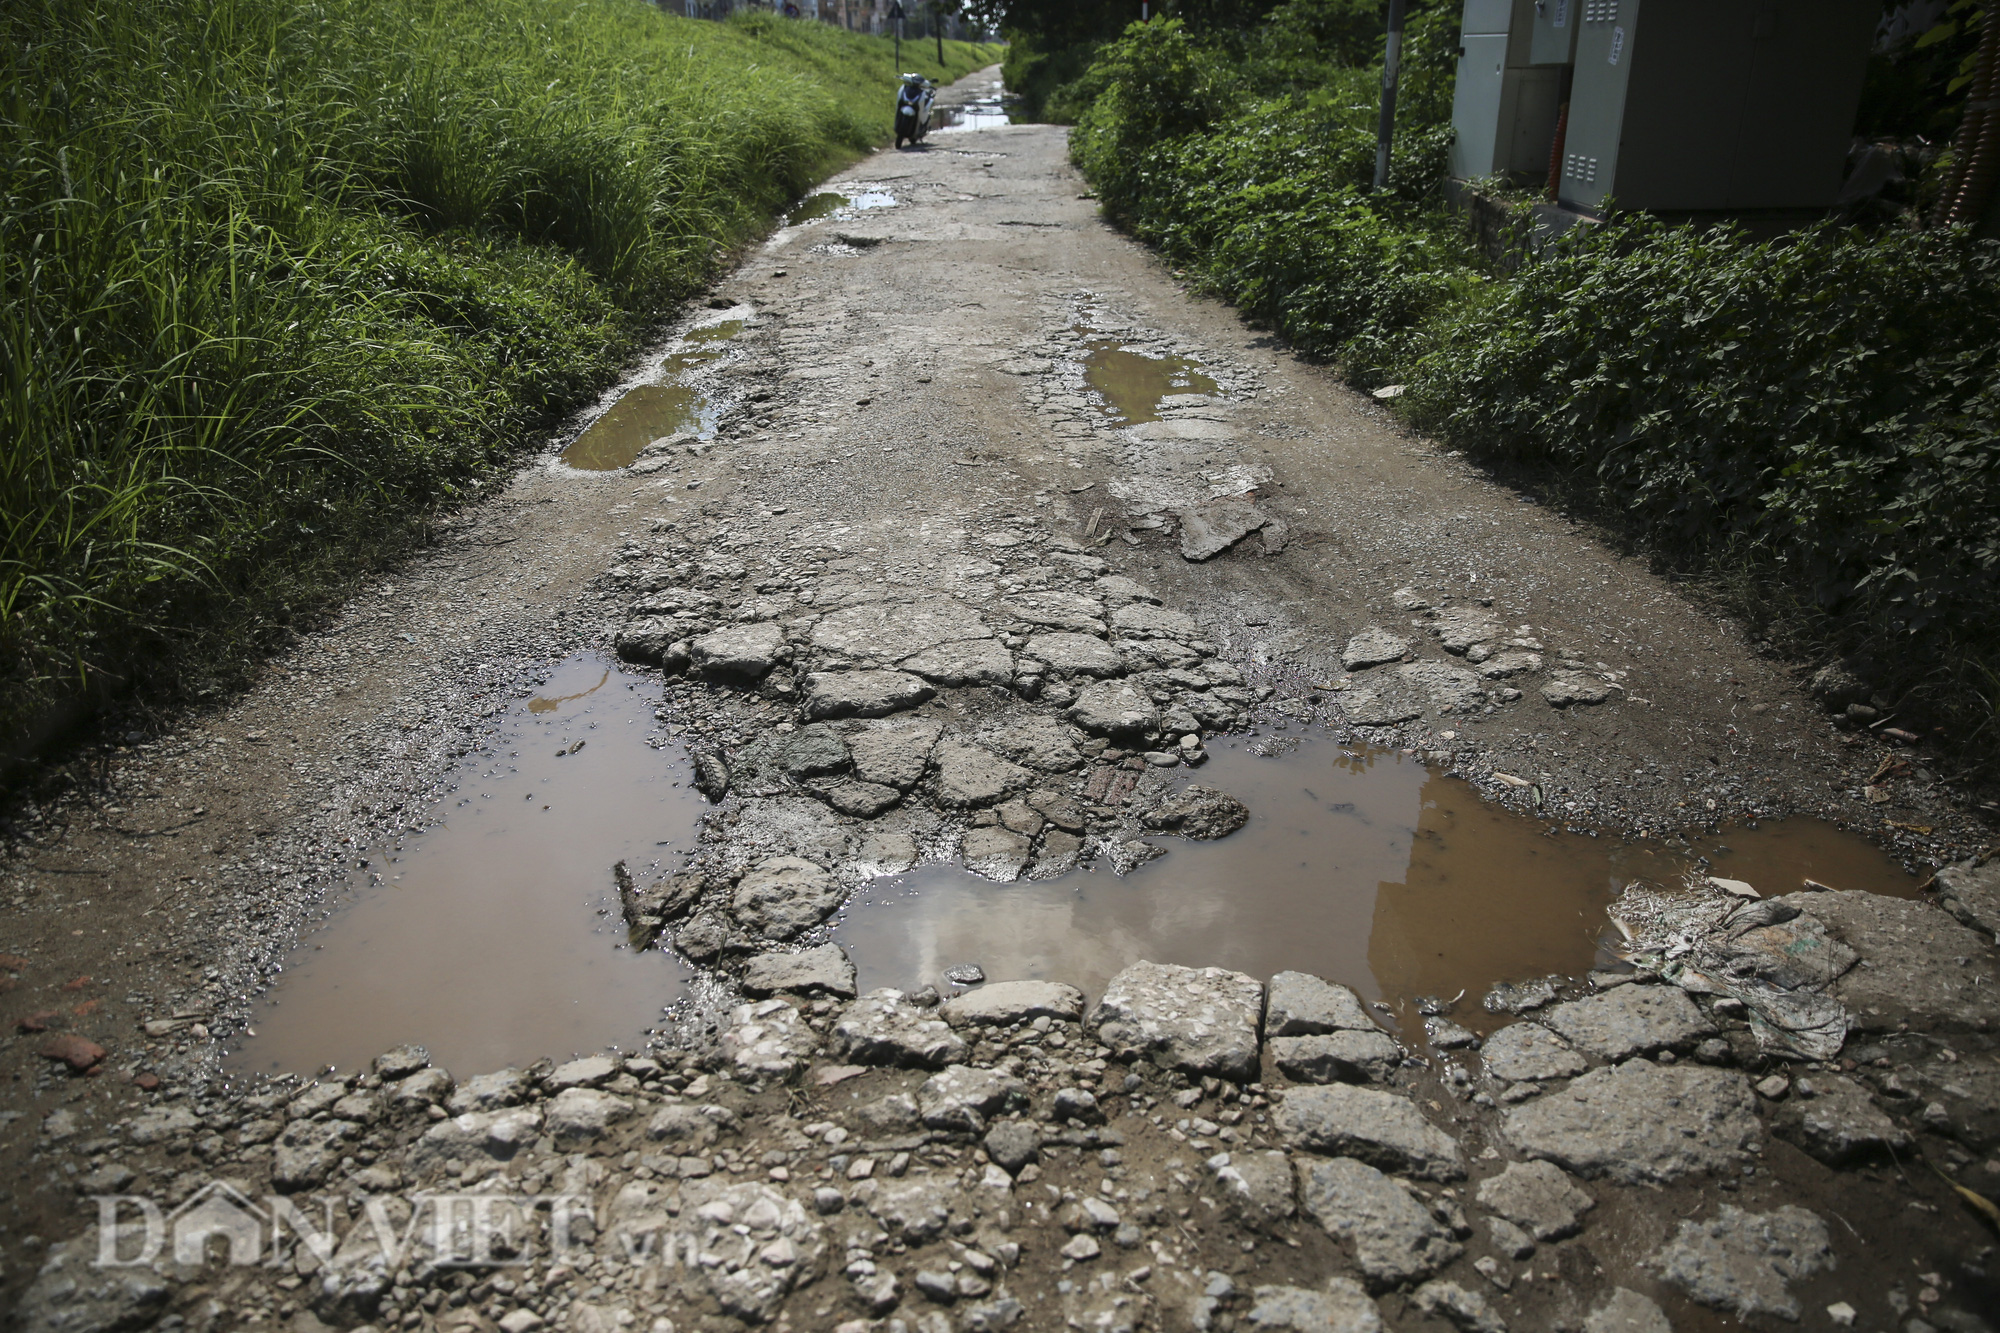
(1826, 405)
(1811, 425)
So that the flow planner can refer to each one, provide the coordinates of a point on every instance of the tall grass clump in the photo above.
(283, 275)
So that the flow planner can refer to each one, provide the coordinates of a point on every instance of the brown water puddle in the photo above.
(648, 412)
(1365, 868)
(1133, 384)
(495, 936)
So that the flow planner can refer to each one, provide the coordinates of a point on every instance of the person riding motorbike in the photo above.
(913, 108)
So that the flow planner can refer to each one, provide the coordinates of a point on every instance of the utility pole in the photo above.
(1392, 68)
(896, 13)
(937, 20)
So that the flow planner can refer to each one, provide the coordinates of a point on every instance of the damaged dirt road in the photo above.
(955, 534)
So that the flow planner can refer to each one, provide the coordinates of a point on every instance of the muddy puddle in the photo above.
(985, 113)
(495, 936)
(1362, 867)
(652, 411)
(827, 203)
(1134, 386)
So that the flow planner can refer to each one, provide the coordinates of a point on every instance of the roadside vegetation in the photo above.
(284, 276)
(1807, 428)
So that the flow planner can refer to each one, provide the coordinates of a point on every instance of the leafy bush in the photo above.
(282, 274)
(1269, 204)
(1811, 424)
(1826, 404)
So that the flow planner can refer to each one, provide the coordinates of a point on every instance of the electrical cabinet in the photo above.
(1711, 105)
(1503, 107)
(1553, 41)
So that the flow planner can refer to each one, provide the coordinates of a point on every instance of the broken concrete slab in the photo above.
(1572, 688)
(1376, 1126)
(1143, 620)
(784, 896)
(1372, 647)
(1641, 1122)
(824, 969)
(1529, 1051)
(1910, 969)
(996, 853)
(1337, 1057)
(1835, 1120)
(1207, 530)
(1628, 1020)
(1197, 1020)
(1342, 1306)
(1198, 812)
(884, 1028)
(1113, 708)
(1627, 1312)
(1001, 1003)
(1744, 1262)
(1393, 1237)
(741, 652)
(1538, 1197)
(972, 662)
(970, 776)
(885, 631)
(836, 694)
(1075, 655)
(1970, 891)
(894, 752)
(1256, 1187)
(1300, 1004)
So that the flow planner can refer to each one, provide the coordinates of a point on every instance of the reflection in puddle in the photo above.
(714, 333)
(646, 413)
(816, 206)
(1364, 868)
(495, 936)
(1134, 384)
(984, 114)
(538, 704)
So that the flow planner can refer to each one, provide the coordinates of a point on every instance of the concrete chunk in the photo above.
(1641, 1122)
(1384, 1129)
(1394, 1238)
(999, 1003)
(826, 968)
(1300, 1004)
(1629, 1020)
(1523, 1051)
(1197, 1020)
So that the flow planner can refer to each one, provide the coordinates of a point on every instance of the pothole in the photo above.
(1135, 385)
(1362, 867)
(495, 936)
(657, 410)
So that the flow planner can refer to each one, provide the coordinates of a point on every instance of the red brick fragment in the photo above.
(79, 1053)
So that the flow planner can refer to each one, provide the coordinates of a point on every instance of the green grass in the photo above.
(282, 276)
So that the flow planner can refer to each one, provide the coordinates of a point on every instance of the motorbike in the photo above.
(913, 109)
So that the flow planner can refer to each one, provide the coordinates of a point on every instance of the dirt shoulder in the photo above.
(907, 419)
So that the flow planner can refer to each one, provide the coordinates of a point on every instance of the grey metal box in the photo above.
(1503, 111)
(1486, 16)
(1553, 41)
(1703, 105)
